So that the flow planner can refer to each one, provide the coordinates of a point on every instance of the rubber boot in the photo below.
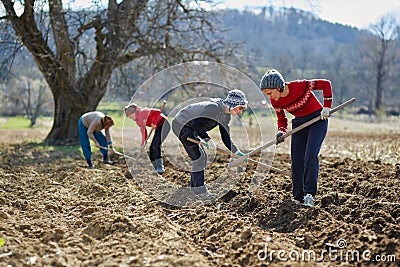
(159, 166)
(154, 164)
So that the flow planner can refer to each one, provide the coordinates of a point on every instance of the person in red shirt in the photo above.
(151, 117)
(297, 98)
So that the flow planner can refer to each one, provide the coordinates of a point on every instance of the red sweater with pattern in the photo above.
(301, 101)
(148, 117)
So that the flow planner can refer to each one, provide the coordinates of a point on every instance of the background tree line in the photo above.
(80, 57)
(361, 63)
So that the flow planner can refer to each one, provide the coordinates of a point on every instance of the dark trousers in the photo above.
(159, 136)
(195, 152)
(305, 147)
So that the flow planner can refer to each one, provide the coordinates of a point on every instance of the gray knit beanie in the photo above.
(272, 79)
(235, 98)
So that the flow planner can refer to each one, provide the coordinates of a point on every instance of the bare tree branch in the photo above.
(380, 51)
(64, 46)
(78, 54)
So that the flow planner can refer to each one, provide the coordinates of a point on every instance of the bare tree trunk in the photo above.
(66, 116)
(379, 89)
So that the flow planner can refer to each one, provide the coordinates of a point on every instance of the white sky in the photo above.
(357, 13)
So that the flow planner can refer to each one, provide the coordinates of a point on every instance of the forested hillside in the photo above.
(273, 35)
(297, 43)
(302, 45)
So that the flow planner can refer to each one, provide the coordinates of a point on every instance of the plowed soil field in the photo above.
(56, 212)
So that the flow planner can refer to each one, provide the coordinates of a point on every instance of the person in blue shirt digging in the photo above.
(195, 120)
(90, 126)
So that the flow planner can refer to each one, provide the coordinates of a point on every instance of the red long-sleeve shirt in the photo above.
(301, 101)
(148, 117)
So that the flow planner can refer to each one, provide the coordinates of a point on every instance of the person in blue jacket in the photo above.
(196, 120)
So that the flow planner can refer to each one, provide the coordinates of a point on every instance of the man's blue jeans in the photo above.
(85, 142)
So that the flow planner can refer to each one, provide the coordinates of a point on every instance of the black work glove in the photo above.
(279, 137)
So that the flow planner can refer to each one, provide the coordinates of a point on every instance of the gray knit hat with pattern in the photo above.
(272, 79)
(235, 98)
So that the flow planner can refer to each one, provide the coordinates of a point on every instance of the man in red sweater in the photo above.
(297, 98)
(151, 117)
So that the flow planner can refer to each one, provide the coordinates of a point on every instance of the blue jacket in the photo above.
(205, 116)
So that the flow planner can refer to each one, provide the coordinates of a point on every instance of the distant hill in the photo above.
(303, 46)
(276, 32)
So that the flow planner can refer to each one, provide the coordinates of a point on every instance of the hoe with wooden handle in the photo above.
(299, 128)
(250, 160)
(118, 153)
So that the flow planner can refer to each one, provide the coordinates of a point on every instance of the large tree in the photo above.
(78, 50)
